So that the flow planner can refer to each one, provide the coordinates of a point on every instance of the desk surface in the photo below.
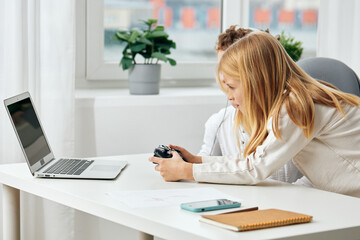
(335, 216)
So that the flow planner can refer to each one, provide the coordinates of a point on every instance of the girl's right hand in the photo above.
(187, 155)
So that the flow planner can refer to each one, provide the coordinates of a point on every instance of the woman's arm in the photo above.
(268, 157)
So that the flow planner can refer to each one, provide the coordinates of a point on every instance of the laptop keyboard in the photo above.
(69, 166)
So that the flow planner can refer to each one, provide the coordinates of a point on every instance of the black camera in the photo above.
(163, 151)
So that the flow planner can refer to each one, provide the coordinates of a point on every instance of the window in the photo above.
(297, 18)
(193, 24)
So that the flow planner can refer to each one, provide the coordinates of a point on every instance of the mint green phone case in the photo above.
(209, 205)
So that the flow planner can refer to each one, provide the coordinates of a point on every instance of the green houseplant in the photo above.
(292, 47)
(153, 44)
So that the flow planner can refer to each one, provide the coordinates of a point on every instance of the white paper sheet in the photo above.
(166, 197)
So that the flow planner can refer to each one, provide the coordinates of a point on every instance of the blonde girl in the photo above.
(288, 115)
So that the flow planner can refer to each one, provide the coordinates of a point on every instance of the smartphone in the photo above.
(209, 205)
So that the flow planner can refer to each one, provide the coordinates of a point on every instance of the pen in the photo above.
(243, 210)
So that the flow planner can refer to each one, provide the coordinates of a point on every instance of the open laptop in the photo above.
(38, 154)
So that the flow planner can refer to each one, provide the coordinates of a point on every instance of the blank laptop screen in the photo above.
(29, 130)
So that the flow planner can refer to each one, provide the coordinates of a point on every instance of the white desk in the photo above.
(335, 216)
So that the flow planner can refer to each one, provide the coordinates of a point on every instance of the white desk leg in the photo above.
(145, 236)
(11, 213)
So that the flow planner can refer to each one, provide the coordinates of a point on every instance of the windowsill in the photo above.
(168, 96)
(164, 92)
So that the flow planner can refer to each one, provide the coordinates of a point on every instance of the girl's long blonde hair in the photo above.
(268, 76)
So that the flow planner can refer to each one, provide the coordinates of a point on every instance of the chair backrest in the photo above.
(332, 71)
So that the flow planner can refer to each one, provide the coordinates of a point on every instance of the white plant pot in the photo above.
(144, 79)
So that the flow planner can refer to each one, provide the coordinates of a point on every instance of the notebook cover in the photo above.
(245, 221)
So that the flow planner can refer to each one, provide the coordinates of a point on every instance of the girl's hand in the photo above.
(187, 155)
(173, 169)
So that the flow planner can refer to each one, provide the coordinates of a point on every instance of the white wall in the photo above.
(113, 123)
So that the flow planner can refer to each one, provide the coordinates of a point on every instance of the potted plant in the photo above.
(153, 44)
(292, 47)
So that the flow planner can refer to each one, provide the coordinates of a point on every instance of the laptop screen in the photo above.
(29, 130)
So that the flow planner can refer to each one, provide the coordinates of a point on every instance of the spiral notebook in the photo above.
(252, 220)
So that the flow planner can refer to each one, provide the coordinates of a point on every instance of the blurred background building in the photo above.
(195, 24)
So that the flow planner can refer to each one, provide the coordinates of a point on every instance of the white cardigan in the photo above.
(220, 140)
(330, 158)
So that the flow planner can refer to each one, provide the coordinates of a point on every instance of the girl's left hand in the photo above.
(173, 169)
